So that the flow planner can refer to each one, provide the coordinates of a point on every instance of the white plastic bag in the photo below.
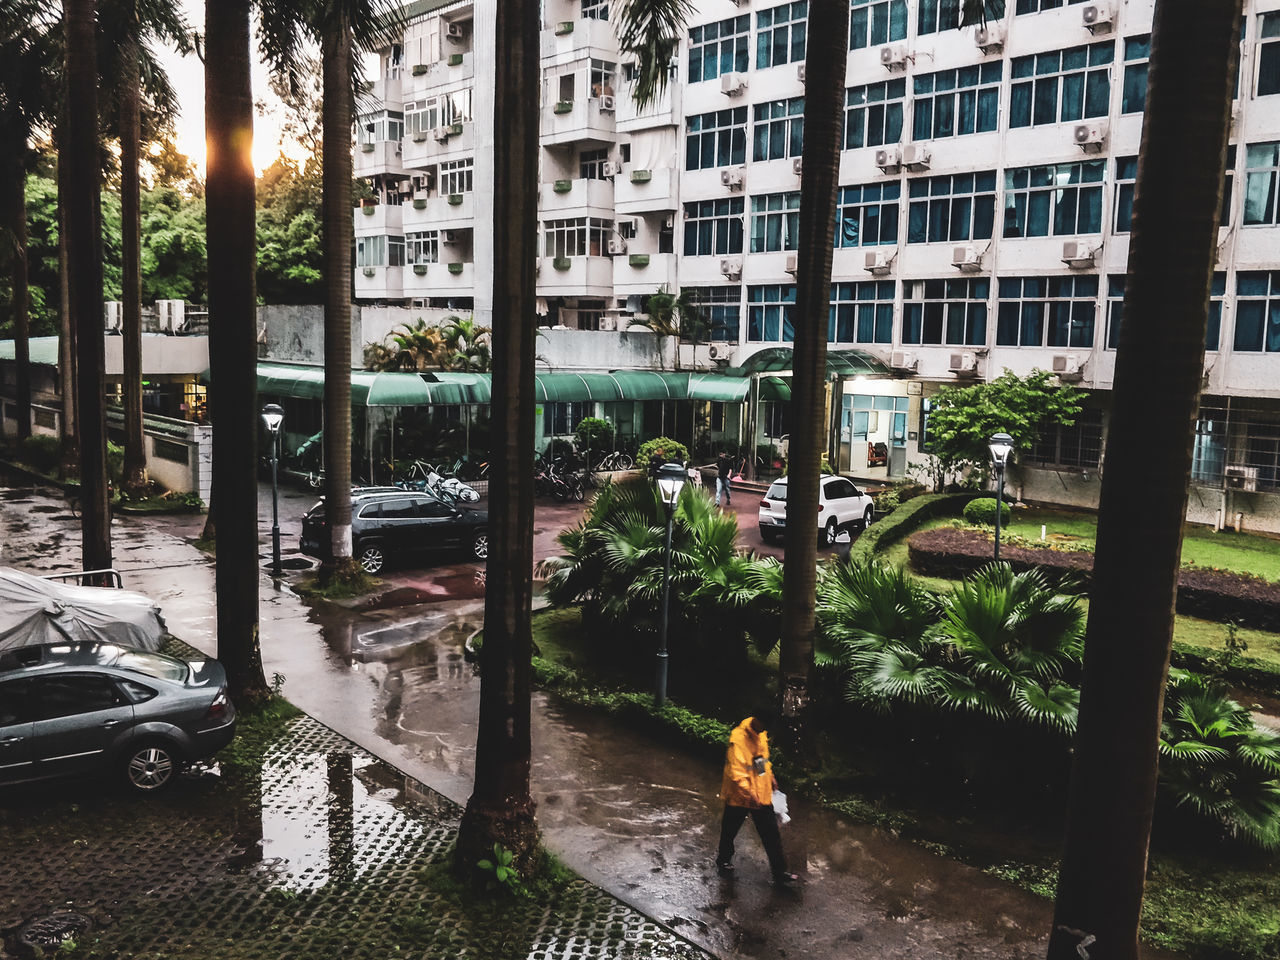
(780, 807)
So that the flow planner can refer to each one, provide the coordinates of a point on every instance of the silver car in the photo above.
(69, 709)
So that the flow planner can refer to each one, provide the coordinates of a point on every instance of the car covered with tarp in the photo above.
(35, 611)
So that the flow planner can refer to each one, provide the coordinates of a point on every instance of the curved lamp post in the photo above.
(670, 479)
(272, 419)
(1000, 445)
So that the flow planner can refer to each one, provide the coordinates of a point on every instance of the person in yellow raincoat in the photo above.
(747, 791)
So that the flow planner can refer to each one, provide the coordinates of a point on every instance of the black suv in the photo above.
(388, 523)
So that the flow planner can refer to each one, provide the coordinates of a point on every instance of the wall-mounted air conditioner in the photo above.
(916, 156)
(608, 323)
(731, 267)
(1090, 136)
(112, 314)
(669, 221)
(617, 245)
(963, 364)
(903, 360)
(791, 264)
(1237, 476)
(878, 261)
(1097, 17)
(889, 158)
(170, 314)
(989, 38)
(1067, 367)
(800, 71)
(607, 103)
(732, 83)
(893, 57)
(440, 133)
(966, 257)
(733, 177)
(454, 31)
(1078, 253)
(797, 165)
(611, 168)
(448, 236)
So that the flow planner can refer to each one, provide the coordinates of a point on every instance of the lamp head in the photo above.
(671, 478)
(1000, 445)
(272, 417)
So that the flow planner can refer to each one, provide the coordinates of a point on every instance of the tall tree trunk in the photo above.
(233, 349)
(823, 122)
(500, 809)
(337, 118)
(66, 335)
(20, 299)
(135, 454)
(84, 267)
(1194, 52)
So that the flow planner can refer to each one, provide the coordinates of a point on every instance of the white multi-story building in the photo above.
(986, 190)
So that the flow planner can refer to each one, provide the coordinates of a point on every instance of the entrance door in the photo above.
(898, 445)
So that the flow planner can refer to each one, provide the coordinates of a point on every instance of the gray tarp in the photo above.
(34, 611)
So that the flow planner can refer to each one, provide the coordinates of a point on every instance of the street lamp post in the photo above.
(671, 478)
(1001, 445)
(272, 418)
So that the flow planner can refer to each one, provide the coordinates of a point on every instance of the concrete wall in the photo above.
(599, 350)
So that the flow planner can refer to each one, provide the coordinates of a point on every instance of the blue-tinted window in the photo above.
(1061, 85)
(778, 130)
(1137, 51)
(873, 114)
(861, 312)
(717, 48)
(935, 16)
(868, 215)
(775, 222)
(721, 309)
(1046, 311)
(780, 34)
(949, 208)
(1262, 167)
(1269, 54)
(876, 22)
(1257, 312)
(951, 103)
(716, 139)
(713, 227)
(769, 309)
(1059, 200)
(952, 311)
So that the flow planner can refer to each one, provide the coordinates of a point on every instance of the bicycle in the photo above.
(75, 506)
(617, 460)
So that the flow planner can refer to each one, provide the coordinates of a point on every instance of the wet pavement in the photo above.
(638, 818)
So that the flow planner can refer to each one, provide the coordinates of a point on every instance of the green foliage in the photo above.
(962, 419)
(594, 433)
(890, 498)
(653, 453)
(505, 877)
(982, 511)
(1233, 649)
(173, 251)
(904, 520)
(42, 452)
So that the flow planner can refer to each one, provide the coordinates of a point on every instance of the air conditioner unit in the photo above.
(965, 364)
(617, 245)
(454, 31)
(608, 323)
(404, 187)
(1240, 477)
(966, 257)
(989, 38)
(797, 165)
(1096, 17)
(1068, 367)
(731, 267)
(1078, 253)
(893, 57)
(800, 71)
(915, 156)
(733, 177)
(732, 84)
(448, 236)
(715, 351)
(112, 314)
(791, 264)
(606, 103)
(878, 261)
(1091, 136)
(170, 314)
(421, 195)
(441, 133)
(669, 221)
(611, 168)
(903, 360)
(888, 159)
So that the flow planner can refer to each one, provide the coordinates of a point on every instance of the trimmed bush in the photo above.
(983, 512)
(904, 520)
(42, 452)
(660, 450)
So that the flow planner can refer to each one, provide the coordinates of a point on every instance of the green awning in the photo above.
(42, 350)
(608, 387)
(775, 388)
(368, 389)
(844, 363)
(718, 388)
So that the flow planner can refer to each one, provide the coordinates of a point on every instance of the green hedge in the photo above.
(1252, 674)
(905, 519)
(983, 511)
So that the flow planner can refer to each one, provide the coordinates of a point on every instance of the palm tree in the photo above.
(468, 344)
(1194, 55)
(673, 315)
(500, 808)
(233, 351)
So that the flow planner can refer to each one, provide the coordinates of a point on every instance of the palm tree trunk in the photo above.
(500, 809)
(84, 267)
(336, 44)
(233, 350)
(823, 122)
(135, 454)
(20, 295)
(66, 335)
(1194, 52)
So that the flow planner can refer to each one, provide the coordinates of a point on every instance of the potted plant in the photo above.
(419, 69)
(455, 268)
(455, 199)
(563, 106)
(563, 186)
(564, 28)
(420, 269)
(638, 259)
(455, 59)
(641, 176)
(562, 263)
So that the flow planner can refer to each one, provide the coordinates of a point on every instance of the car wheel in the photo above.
(866, 518)
(768, 536)
(480, 545)
(830, 532)
(150, 766)
(371, 557)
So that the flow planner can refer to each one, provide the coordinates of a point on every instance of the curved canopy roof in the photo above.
(844, 363)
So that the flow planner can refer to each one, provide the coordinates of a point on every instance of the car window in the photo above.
(397, 509)
(777, 492)
(431, 507)
(16, 703)
(153, 665)
(137, 692)
(840, 489)
(370, 511)
(75, 694)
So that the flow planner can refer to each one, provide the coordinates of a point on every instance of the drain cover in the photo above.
(55, 929)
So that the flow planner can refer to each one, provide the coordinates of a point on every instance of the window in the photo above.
(455, 176)
(1213, 326)
(960, 207)
(1035, 6)
(1126, 180)
(1262, 164)
(68, 696)
(1047, 312)
(861, 312)
(559, 419)
(1269, 54)
(422, 116)
(17, 702)
(1258, 311)
(395, 251)
(602, 74)
(1059, 200)
(381, 127)
(394, 61)
(423, 247)
(775, 222)
(717, 48)
(591, 164)
(1078, 445)
(595, 9)
(769, 308)
(1061, 86)
(578, 237)
(876, 22)
(780, 34)
(1137, 51)
(951, 103)
(779, 129)
(716, 139)
(371, 251)
(935, 16)
(873, 114)
(721, 310)
(866, 216)
(945, 311)
(713, 227)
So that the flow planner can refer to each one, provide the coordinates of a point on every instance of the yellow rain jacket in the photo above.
(748, 775)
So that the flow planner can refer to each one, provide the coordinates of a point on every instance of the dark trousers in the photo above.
(766, 822)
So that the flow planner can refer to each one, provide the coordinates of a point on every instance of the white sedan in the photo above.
(841, 506)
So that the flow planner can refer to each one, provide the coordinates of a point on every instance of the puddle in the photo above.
(46, 508)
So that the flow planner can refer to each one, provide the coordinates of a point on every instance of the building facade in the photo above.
(986, 192)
